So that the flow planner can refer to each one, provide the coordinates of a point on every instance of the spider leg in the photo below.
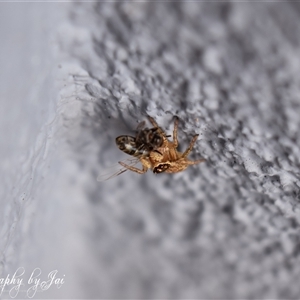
(155, 125)
(195, 162)
(141, 125)
(153, 122)
(175, 139)
(134, 169)
(189, 149)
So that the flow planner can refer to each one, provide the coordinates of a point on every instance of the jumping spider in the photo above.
(152, 148)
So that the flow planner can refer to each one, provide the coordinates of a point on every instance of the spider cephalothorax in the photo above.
(155, 151)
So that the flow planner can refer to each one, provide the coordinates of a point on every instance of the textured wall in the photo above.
(227, 228)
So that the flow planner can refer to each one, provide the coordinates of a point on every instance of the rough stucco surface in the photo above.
(227, 228)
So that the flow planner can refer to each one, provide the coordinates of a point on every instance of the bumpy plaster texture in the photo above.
(227, 228)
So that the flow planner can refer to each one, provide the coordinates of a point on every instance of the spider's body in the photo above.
(160, 154)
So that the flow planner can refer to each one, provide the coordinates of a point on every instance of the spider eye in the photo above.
(161, 168)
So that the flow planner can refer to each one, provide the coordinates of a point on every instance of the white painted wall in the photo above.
(76, 75)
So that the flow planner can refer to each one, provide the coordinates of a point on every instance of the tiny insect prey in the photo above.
(154, 151)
